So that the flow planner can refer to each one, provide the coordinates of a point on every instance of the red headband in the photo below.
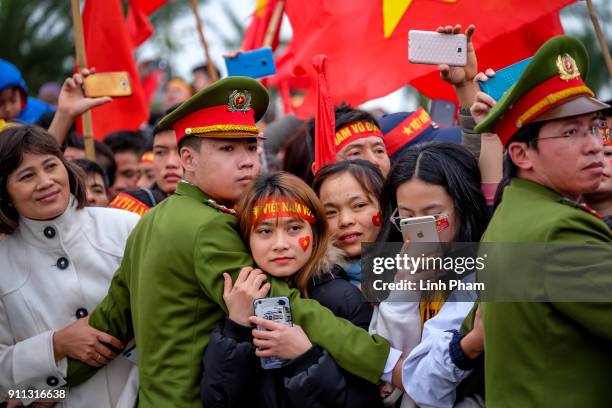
(278, 208)
(407, 130)
(354, 131)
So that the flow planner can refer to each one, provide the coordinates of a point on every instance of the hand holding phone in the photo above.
(113, 84)
(461, 77)
(277, 310)
(503, 79)
(420, 229)
(433, 48)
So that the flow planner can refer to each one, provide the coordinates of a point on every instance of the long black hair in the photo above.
(450, 166)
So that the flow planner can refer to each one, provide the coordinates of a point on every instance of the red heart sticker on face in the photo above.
(376, 219)
(304, 242)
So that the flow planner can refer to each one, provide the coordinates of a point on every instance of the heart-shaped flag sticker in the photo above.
(304, 242)
(376, 219)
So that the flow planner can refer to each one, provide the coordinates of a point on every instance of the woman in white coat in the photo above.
(57, 261)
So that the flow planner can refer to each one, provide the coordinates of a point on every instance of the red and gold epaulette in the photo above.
(581, 206)
(212, 203)
(127, 202)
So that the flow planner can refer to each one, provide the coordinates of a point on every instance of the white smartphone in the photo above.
(420, 229)
(276, 309)
(432, 48)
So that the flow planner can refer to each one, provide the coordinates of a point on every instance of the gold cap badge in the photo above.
(239, 101)
(567, 67)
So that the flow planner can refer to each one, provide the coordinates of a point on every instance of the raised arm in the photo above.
(72, 102)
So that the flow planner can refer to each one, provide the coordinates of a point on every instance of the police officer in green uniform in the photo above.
(549, 354)
(167, 293)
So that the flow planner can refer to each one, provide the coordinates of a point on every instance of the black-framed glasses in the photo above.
(602, 132)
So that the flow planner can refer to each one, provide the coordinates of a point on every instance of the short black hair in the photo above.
(204, 68)
(90, 168)
(126, 141)
(195, 142)
(157, 130)
(104, 155)
(299, 153)
(346, 114)
(526, 134)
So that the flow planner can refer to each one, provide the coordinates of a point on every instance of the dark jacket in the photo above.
(233, 376)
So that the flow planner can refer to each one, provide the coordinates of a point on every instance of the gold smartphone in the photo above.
(114, 84)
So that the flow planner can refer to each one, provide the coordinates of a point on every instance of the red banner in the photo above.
(109, 48)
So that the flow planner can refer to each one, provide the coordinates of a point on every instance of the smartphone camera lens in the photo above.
(123, 83)
(264, 63)
(420, 235)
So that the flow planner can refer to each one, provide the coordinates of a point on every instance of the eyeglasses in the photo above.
(441, 220)
(601, 131)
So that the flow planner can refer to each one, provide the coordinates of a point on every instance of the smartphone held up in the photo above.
(257, 63)
(433, 48)
(113, 84)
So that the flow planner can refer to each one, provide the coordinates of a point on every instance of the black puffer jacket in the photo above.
(233, 376)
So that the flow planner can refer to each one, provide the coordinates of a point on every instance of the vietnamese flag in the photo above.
(138, 25)
(109, 48)
(255, 33)
(366, 41)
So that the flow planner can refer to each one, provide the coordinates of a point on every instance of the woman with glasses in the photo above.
(440, 180)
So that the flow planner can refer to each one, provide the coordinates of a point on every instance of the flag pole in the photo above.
(600, 36)
(212, 73)
(275, 20)
(81, 62)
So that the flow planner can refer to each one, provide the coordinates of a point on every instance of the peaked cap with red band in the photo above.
(551, 87)
(229, 108)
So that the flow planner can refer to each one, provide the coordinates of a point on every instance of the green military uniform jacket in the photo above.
(555, 354)
(168, 294)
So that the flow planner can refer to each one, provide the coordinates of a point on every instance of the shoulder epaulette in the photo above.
(212, 203)
(582, 206)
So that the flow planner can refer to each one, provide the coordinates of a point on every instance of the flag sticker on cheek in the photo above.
(442, 224)
(304, 242)
(376, 219)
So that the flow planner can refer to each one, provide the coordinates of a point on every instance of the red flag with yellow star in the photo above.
(255, 33)
(366, 41)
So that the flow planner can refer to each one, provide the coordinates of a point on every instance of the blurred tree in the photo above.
(37, 37)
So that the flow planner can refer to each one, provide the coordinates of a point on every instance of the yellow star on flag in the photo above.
(394, 10)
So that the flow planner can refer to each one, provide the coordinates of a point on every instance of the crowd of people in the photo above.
(130, 280)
